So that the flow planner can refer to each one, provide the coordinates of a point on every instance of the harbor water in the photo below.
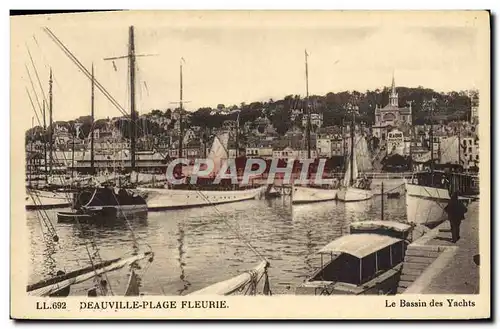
(200, 246)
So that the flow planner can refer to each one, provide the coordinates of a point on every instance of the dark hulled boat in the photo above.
(103, 204)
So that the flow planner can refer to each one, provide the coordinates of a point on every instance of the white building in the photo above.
(469, 152)
(324, 146)
(396, 142)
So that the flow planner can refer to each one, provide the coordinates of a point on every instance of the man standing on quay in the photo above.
(456, 211)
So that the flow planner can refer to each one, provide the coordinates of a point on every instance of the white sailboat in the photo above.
(426, 197)
(307, 194)
(351, 189)
(186, 195)
(43, 198)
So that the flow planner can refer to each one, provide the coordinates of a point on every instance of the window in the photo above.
(470, 149)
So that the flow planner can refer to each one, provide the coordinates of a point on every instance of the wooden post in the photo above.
(360, 270)
(382, 201)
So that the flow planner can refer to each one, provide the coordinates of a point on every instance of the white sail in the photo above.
(351, 167)
(218, 152)
(363, 158)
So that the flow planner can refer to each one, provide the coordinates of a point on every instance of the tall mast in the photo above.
(344, 144)
(181, 128)
(92, 123)
(73, 153)
(30, 162)
(50, 124)
(238, 135)
(131, 60)
(44, 142)
(351, 179)
(459, 146)
(412, 133)
(431, 135)
(308, 110)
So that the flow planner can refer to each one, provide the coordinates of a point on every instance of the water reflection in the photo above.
(182, 264)
(200, 243)
(49, 263)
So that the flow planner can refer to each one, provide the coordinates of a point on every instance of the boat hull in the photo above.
(41, 199)
(425, 205)
(302, 194)
(353, 194)
(101, 214)
(384, 284)
(164, 199)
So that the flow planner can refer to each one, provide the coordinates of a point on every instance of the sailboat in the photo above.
(238, 283)
(205, 192)
(352, 188)
(59, 285)
(48, 196)
(427, 192)
(307, 194)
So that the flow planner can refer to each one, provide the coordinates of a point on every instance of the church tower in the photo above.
(393, 96)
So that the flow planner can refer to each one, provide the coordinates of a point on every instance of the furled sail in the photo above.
(53, 285)
(237, 283)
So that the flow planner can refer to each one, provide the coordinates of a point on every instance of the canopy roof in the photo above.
(359, 245)
(381, 224)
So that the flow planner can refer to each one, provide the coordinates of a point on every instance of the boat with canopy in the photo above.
(367, 261)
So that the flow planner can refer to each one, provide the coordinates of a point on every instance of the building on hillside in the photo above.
(391, 115)
(330, 145)
(189, 135)
(324, 146)
(260, 149)
(474, 108)
(470, 152)
(316, 120)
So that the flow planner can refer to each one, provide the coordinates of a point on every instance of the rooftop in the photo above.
(359, 245)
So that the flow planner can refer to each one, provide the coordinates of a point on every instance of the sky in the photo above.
(239, 56)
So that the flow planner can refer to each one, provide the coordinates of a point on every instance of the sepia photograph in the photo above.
(250, 153)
